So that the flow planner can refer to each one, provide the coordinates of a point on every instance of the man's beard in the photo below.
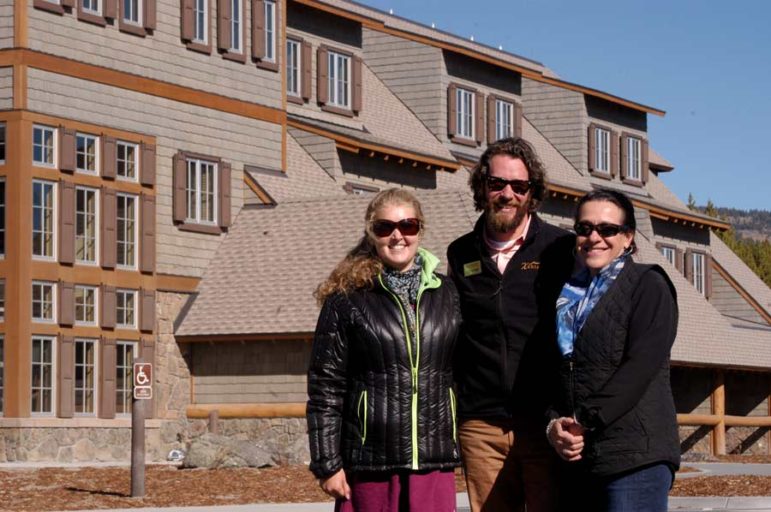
(500, 222)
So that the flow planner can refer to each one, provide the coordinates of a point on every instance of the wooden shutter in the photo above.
(66, 306)
(149, 20)
(452, 110)
(644, 161)
(66, 370)
(179, 199)
(689, 265)
(107, 363)
(479, 117)
(224, 195)
(147, 168)
(109, 157)
(66, 222)
(147, 355)
(146, 310)
(624, 162)
(108, 307)
(66, 149)
(517, 118)
(707, 276)
(592, 140)
(258, 29)
(110, 9)
(322, 75)
(187, 19)
(492, 114)
(614, 158)
(357, 89)
(223, 25)
(679, 259)
(306, 66)
(147, 235)
(109, 222)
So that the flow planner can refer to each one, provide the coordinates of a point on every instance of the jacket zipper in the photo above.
(453, 408)
(572, 388)
(362, 418)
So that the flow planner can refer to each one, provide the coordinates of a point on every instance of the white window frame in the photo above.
(82, 389)
(130, 10)
(45, 148)
(2, 216)
(2, 300)
(51, 365)
(669, 253)
(236, 26)
(86, 138)
(293, 67)
(125, 293)
(465, 106)
(504, 119)
(42, 285)
(128, 377)
(633, 158)
(339, 85)
(134, 243)
(201, 21)
(82, 302)
(118, 160)
(698, 272)
(54, 219)
(602, 150)
(96, 223)
(194, 192)
(91, 10)
(3, 145)
(270, 30)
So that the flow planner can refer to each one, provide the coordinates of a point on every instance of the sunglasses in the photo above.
(407, 227)
(496, 184)
(604, 229)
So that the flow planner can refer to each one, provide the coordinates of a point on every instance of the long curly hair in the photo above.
(359, 268)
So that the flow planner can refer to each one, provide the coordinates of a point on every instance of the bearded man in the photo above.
(509, 272)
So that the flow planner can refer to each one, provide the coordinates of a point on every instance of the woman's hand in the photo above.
(566, 435)
(336, 486)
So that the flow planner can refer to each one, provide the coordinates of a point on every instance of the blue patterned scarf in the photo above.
(578, 298)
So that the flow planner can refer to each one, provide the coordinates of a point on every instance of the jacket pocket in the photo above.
(361, 412)
(453, 415)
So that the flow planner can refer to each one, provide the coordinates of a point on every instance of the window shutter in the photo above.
(109, 221)
(149, 15)
(614, 159)
(147, 249)
(147, 355)
(592, 146)
(518, 119)
(66, 222)
(147, 168)
(624, 163)
(357, 84)
(108, 306)
(306, 65)
(679, 259)
(109, 157)
(258, 29)
(179, 199)
(107, 379)
(707, 276)
(491, 118)
(66, 149)
(110, 9)
(479, 117)
(146, 310)
(452, 110)
(224, 195)
(644, 161)
(66, 369)
(223, 25)
(689, 265)
(66, 304)
(322, 72)
(187, 19)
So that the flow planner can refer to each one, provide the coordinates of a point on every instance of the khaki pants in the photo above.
(508, 467)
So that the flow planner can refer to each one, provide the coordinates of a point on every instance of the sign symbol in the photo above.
(142, 376)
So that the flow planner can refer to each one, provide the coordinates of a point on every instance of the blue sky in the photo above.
(706, 63)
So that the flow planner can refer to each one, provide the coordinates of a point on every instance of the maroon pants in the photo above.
(407, 491)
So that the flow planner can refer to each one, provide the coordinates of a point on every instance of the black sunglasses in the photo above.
(518, 186)
(407, 227)
(604, 229)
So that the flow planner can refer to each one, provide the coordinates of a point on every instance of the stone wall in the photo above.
(172, 369)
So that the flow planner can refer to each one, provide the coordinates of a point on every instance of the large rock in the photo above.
(213, 451)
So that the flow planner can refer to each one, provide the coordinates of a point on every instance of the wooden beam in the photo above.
(277, 410)
(698, 420)
(718, 409)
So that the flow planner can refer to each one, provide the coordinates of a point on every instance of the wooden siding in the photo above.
(6, 87)
(729, 302)
(321, 149)
(6, 24)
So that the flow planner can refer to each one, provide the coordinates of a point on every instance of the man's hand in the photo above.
(566, 435)
(336, 486)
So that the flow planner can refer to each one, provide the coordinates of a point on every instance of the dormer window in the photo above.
(603, 151)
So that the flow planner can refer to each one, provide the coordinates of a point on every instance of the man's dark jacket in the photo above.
(506, 359)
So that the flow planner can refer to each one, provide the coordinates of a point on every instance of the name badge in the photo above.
(531, 265)
(473, 268)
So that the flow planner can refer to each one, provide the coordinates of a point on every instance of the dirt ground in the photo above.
(48, 489)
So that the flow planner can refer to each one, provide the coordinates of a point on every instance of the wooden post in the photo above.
(718, 409)
(214, 423)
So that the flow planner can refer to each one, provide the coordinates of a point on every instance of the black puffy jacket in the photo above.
(378, 401)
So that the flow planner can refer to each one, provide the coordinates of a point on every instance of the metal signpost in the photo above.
(143, 391)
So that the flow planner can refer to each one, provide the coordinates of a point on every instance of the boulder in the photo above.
(214, 451)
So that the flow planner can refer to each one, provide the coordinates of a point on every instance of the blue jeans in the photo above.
(641, 490)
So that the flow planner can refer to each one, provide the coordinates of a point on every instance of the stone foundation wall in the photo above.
(695, 440)
(172, 369)
(747, 440)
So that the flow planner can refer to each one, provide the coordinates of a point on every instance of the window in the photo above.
(293, 67)
(127, 158)
(669, 252)
(42, 388)
(85, 376)
(339, 73)
(2, 372)
(86, 153)
(126, 230)
(698, 272)
(602, 150)
(504, 119)
(464, 124)
(633, 160)
(200, 21)
(86, 223)
(85, 305)
(132, 11)
(125, 303)
(2, 143)
(235, 26)
(91, 6)
(124, 376)
(43, 219)
(2, 217)
(201, 191)
(270, 30)
(43, 301)
(2, 300)
(44, 145)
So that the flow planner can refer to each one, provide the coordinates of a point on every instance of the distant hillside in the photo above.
(753, 224)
